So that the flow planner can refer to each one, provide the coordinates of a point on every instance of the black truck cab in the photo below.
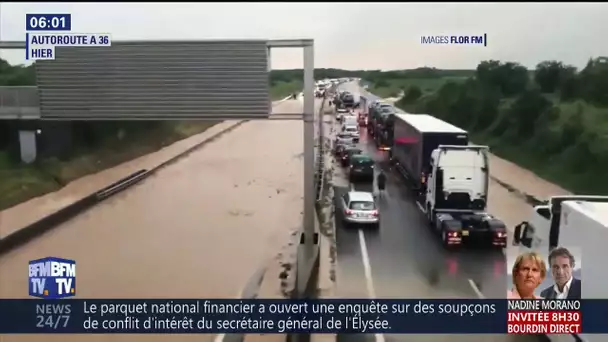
(415, 136)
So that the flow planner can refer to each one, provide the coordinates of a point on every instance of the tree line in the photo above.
(373, 76)
(10, 75)
(553, 119)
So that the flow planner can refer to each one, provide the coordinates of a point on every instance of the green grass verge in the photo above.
(582, 183)
(574, 168)
(281, 90)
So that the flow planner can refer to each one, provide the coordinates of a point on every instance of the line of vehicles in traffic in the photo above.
(356, 207)
(323, 86)
(450, 178)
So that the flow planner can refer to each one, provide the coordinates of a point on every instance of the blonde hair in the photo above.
(537, 258)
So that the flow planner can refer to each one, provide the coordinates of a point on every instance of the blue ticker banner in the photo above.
(344, 316)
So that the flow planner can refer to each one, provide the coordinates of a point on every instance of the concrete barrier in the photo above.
(250, 291)
(45, 224)
(312, 266)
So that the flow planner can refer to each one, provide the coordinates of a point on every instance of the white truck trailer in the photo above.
(576, 221)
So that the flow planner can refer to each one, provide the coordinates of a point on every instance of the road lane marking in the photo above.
(367, 270)
(220, 337)
(476, 289)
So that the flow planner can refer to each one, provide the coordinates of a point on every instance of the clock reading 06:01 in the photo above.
(48, 22)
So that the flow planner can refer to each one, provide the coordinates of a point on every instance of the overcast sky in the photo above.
(349, 35)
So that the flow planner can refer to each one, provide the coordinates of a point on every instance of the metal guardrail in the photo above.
(320, 164)
(311, 263)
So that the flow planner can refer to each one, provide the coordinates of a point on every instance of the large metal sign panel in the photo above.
(156, 80)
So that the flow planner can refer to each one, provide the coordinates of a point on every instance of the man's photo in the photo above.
(565, 285)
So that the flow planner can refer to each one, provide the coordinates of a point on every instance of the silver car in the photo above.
(343, 138)
(340, 113)
(359, 207)
(351, 130)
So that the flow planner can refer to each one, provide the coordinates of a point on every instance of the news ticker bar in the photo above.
(264, 316)
(41, 46)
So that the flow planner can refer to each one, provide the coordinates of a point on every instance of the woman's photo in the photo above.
(529, 271)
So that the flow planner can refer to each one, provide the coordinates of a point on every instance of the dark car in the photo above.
(361, 168)
(341, 146)
(348, 153)
(348, 101)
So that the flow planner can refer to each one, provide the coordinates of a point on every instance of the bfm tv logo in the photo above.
(52, 278)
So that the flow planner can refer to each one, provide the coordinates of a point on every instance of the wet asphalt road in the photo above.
(404, 259)
(405, 251)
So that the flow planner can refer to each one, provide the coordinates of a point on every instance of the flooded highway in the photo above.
(197, 229)
(202, 226)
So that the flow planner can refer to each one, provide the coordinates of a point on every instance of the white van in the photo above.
(352, 130)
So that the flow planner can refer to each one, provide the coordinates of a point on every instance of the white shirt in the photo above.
(564, 294)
